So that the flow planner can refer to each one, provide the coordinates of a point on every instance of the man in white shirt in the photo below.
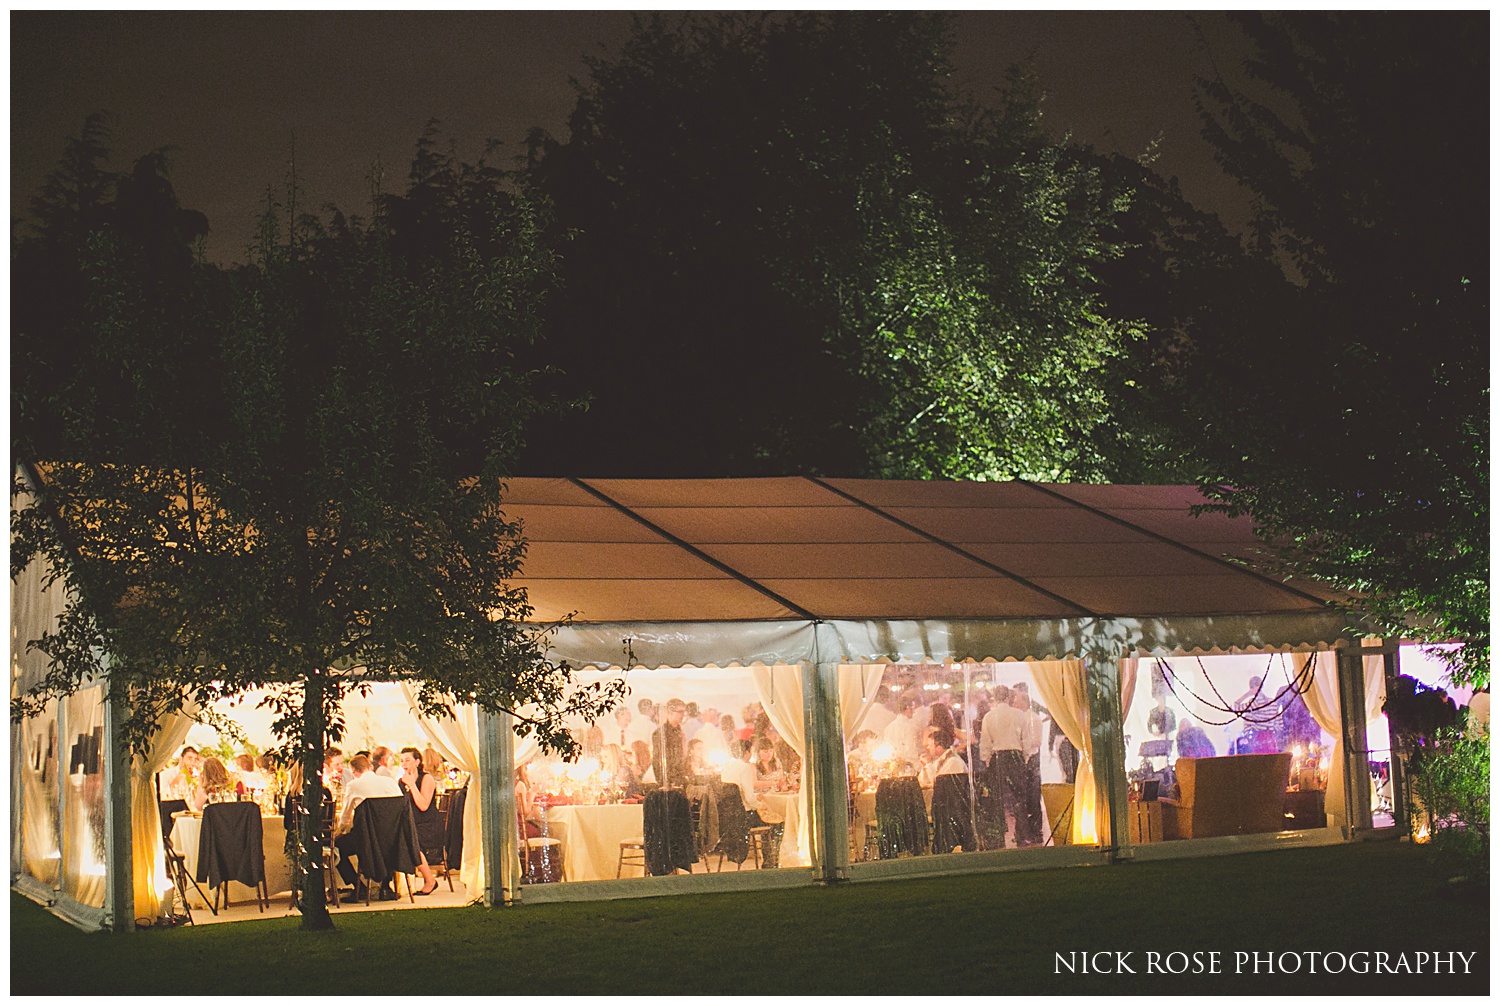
(741, 772)
(710, 733)
(902, 735)
(879, 716)
(1029, 818)
(383, 762)
(621, 733)
(1002, 746)
(642, 726)
(364, 784)
(177, 783)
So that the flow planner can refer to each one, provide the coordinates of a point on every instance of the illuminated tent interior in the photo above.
(822, 603)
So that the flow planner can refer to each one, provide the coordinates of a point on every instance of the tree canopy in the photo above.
(322, 504)
(1330, 378)
(794, 221)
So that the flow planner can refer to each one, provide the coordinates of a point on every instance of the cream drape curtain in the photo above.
(858, 684)
(456, 738)
(83, 848)
(38, 827)
(1322, 701)
(1061, 686)
(148, 864)
(1128, 672)
(780, 691)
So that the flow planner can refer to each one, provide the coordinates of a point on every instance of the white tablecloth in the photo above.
(185, 833)
(591, 836)
(785, 804)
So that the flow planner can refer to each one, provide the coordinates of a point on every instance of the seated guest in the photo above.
(214, 786)
(938, 757)
(181, 780)
(698, 768)
(767, 771)
(433, 763)
(421, 791)
(292, 818)
(382, 762)
(527, 812)
(364, 784)
(616, 766)
(245, 768)
(740, 772)
(640, 755)
(335, 772)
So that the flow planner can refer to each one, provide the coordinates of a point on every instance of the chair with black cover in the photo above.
(901, 817)
(734, 824)
(437, 856)
(383, 837)
(454, 852)
(952, 826)
(229, 848)
(668, 827)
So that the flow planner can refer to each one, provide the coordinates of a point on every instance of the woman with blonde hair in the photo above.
(214, 786)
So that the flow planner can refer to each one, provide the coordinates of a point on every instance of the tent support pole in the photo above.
(1107, 740)
(828, 777)
(1400, 798)
(119, 865)
(495, 771)
(1351, 676)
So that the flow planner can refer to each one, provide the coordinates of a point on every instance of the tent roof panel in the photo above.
(1135, 558)
(763, 492)
(639, 600)
(910, 493)
(795, 526)
(842, 561)
(1215, 594)
(922, 597)
(567, 560)
(1044, 524)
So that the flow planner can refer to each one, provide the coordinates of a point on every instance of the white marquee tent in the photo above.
(810, 583)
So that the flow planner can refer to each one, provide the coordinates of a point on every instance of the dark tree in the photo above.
(1332, 379)
(340, 520)
(794, 249)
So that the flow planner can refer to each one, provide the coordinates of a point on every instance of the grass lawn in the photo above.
(994, 933)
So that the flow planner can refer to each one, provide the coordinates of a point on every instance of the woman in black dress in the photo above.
(420, 788)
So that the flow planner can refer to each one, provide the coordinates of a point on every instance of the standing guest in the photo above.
(622, 725)
(880, 715)
(363, 784)
(691, 723)
(942, 718)
(726, 727)
(1031, 792)
(421, 789)
(1192, 742)
(1161, 721)
(669, 747)
(593, 740)
(1002, 743)
(747, 715)
(644, 723)
(901, 734)
(710, 735)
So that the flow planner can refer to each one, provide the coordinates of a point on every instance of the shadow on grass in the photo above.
(974, 934)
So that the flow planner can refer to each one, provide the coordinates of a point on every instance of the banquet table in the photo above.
(786, 805)
(591, 835)
(186, 830)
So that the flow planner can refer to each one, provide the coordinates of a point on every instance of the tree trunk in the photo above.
(314, 906)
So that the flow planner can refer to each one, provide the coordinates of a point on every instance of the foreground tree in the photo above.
(791, 227)
(342, 520)
(1330, 376)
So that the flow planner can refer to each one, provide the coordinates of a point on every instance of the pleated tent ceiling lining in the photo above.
(700, 550)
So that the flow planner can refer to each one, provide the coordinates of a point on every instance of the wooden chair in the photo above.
(635, 848)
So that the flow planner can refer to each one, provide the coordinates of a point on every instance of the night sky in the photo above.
(230, 91)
